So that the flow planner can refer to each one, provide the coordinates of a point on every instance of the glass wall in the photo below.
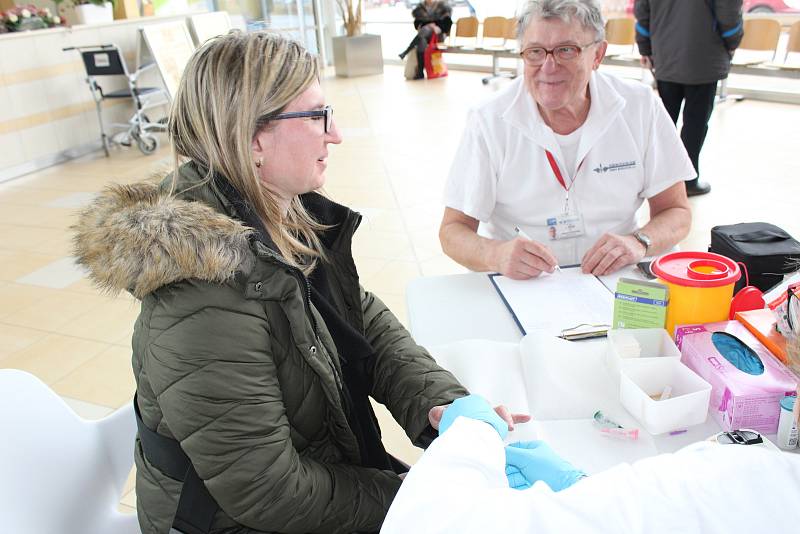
(281, 15)
(392, 20)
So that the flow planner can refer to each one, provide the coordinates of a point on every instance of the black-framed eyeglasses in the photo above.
(326, 112)
(537, 55)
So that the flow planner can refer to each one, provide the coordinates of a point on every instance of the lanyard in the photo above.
(560, 177)
(556, 170)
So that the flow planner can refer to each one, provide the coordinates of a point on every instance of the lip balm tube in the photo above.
(627, 434)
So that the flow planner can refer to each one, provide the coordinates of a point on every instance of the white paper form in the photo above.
(558, 301)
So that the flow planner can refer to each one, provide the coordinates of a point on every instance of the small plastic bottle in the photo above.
(787, 426)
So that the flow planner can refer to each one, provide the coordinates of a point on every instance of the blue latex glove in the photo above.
(736, 352)
(474, 407)
(530, 461)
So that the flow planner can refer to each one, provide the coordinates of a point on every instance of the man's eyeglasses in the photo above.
(326, 112)
(535, 56)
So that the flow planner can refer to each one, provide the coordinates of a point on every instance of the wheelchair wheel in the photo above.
(147, 144)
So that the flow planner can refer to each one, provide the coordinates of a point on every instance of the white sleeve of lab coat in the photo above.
(459, 486)
(471, 186)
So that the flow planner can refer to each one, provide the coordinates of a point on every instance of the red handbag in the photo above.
(435, 67)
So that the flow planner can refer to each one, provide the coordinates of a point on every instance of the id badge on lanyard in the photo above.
(566, 225)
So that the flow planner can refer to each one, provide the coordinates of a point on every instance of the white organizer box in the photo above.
(653, 343)
(642, 380)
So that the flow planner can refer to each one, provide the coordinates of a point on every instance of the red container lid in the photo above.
(696, 269)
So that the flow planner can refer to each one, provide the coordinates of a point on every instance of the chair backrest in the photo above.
(494, 27)
(793, 45)
(621, 31)
(760, 34)
(511, 28)
(467, 27)
(104, 60)
(58, 472)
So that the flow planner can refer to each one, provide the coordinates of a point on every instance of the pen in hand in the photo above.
(521, 233)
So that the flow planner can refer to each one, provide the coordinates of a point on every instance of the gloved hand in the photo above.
(530, 461)
(474, 407)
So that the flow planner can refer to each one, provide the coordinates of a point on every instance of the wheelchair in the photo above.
(107, 60)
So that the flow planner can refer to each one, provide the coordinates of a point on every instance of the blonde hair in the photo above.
(230, 88)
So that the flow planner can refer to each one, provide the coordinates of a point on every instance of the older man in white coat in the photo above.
(568, 155)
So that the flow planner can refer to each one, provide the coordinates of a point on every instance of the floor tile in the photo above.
(394, 437)
(73, 200)
(396, 303)
(15, 297)
(16, 338)
(383, 220)
(54, 357)
(30, 238)
(87, 410)
(441, 265)
(388, 245)
(28, 196)
(105, 379)
(58, 309)
(392, 277)
(127, 508)
(109, 322)
(128, 501)
(56, 275)
(14, 264)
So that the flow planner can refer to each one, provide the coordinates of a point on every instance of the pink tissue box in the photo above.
(738, 399)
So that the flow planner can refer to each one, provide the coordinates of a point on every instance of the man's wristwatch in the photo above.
(643, 238)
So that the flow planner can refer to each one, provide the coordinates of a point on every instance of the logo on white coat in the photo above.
(613, 167)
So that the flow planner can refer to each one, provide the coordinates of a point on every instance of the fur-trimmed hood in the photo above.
(139, 238)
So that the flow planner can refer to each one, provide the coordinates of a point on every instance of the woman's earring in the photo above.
(259, 162)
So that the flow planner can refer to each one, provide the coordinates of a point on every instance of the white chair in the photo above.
(60, 473)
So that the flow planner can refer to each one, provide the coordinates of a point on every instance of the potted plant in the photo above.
(86, 11)
(351, 17)
(356, 53)
(24, 18)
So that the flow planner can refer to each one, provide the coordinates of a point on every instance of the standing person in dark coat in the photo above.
(430, 16)
(689, 44)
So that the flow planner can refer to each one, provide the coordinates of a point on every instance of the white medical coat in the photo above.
(629, 151)
(459, 486)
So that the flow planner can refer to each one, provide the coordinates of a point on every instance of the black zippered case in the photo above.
(767, 251)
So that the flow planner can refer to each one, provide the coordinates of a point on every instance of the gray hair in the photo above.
(585, 12)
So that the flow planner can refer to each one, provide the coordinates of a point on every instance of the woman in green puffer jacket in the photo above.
(256, 349)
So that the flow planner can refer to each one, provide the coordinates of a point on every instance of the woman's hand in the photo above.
(435, 416)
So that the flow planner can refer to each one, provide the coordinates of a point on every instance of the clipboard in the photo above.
(566, 304)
